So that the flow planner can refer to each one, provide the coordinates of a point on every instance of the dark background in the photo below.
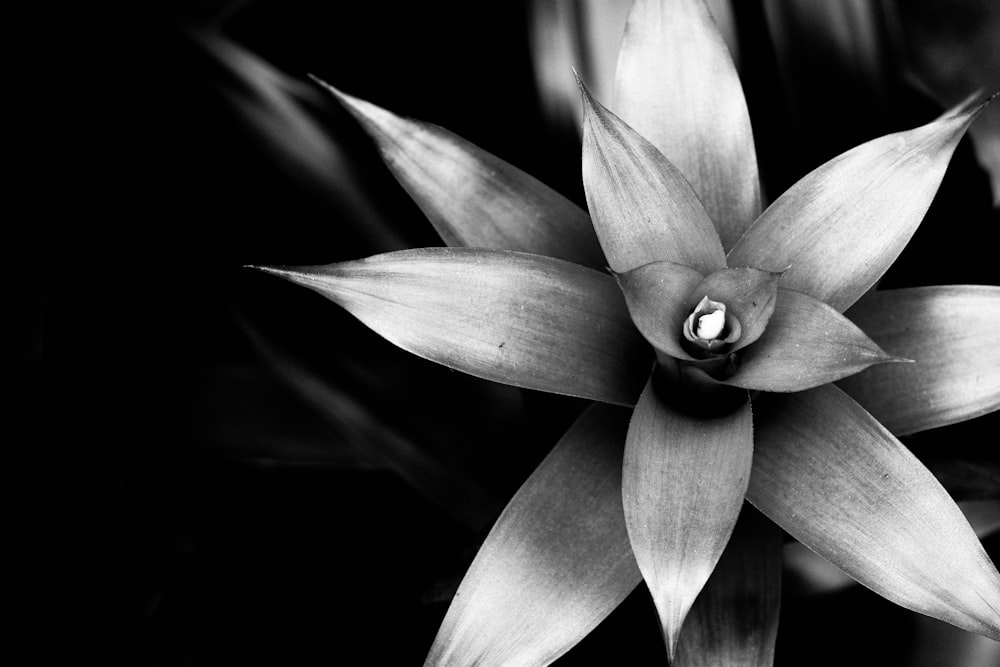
(200, 488)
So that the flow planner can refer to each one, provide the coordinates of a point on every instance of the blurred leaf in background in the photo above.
(951, 49)
(276, 110)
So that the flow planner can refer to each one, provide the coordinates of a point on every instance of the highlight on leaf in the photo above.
(842, 225)
(951, 331)
(474, 198)
(683, 482)
(642, 207)
(806, 344)
(840, 483)
(515, 318)
(560, 544)
(677, 86)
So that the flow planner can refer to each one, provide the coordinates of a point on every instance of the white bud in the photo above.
(711, 325)
(707, 323)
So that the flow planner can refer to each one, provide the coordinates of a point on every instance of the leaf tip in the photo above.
(329, 88)
(671, 621)
(977, 109)
(292, 274)
(589, 103)
(671, 637)
(274, 270)
(961, 116)
(971, 106)
(355, 106)
(883, 357)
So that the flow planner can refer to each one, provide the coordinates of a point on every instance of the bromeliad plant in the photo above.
(721, 328)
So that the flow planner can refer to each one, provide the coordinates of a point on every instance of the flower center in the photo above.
(710, 327)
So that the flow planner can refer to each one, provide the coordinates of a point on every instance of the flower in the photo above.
(710, 327)
(742, 309)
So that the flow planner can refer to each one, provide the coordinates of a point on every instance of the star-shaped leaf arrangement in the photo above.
(708, 332)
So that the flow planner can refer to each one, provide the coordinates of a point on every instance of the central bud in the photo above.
(710, 328)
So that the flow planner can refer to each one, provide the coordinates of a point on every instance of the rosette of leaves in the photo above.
(708, 330)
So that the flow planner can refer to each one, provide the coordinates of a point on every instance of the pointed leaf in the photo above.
(749, 294)
(520, 319)
(683, 481)
(556, 563)
(843, 224)
(807, 343)
(840, 483)
(642, 208)
(953, 333)
(474, 198)
(734, 621)
(814, 574)
(658, 295)
(677, 86)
